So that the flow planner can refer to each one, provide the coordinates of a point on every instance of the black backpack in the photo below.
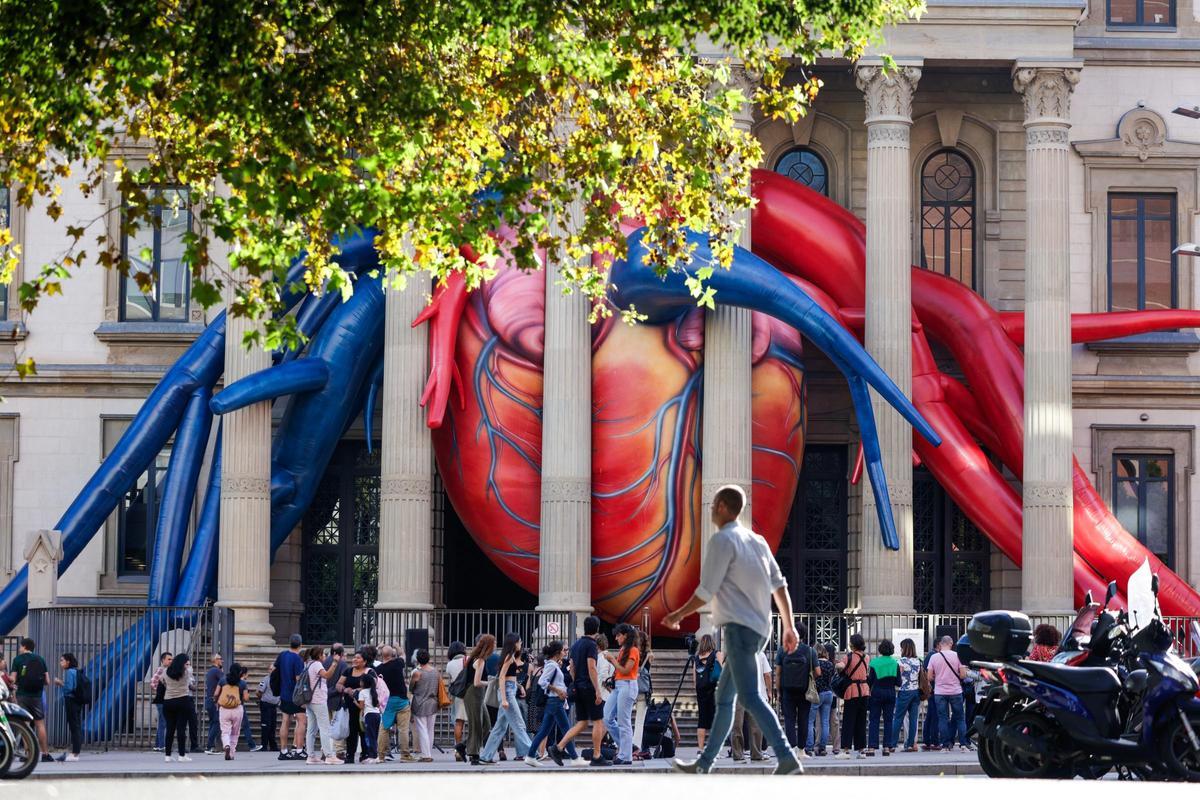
(32, 678)
(82, 693)
(796, 668)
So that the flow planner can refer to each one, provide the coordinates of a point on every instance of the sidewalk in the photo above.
(131, 764)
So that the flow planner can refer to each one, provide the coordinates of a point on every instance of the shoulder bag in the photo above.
(812, 696)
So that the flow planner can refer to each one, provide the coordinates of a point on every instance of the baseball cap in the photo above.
(296, 640)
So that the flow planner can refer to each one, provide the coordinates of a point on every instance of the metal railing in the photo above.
(118, 648)
(443, 626)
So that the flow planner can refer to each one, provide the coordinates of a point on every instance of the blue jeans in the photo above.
(554, 723)
(506, 719)
(881, 704)
(908, 703)
(952, 723)
(817, 736)
(214, 724)
(162, 729)
(739, 681)
(618, 717)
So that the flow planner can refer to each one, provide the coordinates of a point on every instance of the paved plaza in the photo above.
(133, 764)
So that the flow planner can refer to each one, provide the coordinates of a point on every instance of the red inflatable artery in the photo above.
(808, 235)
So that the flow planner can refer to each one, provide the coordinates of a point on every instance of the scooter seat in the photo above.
(1081, 679)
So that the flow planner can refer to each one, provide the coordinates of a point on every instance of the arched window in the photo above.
(948, 216)
(803, 165)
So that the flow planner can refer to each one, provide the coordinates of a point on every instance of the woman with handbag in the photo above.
(158, 689)
(908, 699)
(424, 695)
(479, 725)
(851, 684)
(458, 708)
(821, 713)
(509, 717)
(316, 710)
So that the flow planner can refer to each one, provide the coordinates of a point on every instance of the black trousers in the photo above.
(75, 724)
(193, 724)
(795, 716)
(854, 723)
(355, 734)
(267, 727)
(180, 713)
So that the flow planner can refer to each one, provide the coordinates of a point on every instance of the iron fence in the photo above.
(118, 648)
(435, 630)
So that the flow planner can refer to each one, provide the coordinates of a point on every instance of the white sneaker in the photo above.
(533, 762)
(370, 761)
(168, 759)
(183, 758)
(861, 754)
(579, 762)
(314, 760)
(843, 755)
(71, 757)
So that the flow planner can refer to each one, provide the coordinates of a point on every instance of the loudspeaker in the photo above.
(415, 639)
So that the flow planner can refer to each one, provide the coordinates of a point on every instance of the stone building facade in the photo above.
(1026, 147)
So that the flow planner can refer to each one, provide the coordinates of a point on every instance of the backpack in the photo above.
(276, 679)
(707, 676)
(382, 692)
(458, 687)
(82, 693)
(795, 669)
(229, 696)
(302, 694)
(32, 678)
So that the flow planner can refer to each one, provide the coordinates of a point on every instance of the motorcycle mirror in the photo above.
(1111, 593)
(1154, 584)
(1087, 598)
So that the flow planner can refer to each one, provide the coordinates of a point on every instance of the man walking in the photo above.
(290, 665)
(739, 576)
(212, 679)
(589, 708)
(30, 675)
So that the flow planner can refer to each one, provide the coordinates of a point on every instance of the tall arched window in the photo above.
(803, 165)
(948, 216)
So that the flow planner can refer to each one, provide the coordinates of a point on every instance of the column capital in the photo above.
(888, 93)
(1047, 87)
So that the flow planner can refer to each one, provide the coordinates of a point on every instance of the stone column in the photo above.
(886, 576)
(725, 424)
(565, 563)
(406, 455)
(244, 562)
(1046, 531)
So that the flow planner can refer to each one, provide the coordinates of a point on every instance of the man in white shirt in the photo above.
(739, 577)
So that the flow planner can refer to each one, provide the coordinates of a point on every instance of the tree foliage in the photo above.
(435, 122)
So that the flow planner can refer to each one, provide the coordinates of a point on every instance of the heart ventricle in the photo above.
(647, 392)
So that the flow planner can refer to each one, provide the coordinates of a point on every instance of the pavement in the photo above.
(135, 764)
(439, 785)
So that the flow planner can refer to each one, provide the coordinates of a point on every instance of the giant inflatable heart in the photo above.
(646, 416)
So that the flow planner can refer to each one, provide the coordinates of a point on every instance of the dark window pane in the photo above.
(1159, 205)
(1125, 505)
(1122, 12)
(1143, 502)
(1158, 247)
(1125, 466)
(1157, 12)
(1123, 252)
(806, 167)
(156, 250)
(948, 216)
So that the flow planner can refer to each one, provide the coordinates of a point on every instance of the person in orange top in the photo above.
(618, 709)
(854, 707)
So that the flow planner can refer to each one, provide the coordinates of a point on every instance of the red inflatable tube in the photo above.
(808, 235)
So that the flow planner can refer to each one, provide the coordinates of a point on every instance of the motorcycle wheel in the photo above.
(6, 751)
(1014, 764)
(987, 759)
(26, 754)
(1177, 753)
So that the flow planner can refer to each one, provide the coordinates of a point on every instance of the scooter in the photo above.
(1086, 718)
(20, 751)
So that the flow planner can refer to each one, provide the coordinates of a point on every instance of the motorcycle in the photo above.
(20, 751)
(1048, 720)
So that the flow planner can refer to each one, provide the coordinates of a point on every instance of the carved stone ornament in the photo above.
(888, 94)
(1047, 92)
(1142, 132)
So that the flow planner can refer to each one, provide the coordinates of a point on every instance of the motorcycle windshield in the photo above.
(1081, 629)
(1140, 598)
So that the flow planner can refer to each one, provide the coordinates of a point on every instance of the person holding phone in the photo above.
(317, 712)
